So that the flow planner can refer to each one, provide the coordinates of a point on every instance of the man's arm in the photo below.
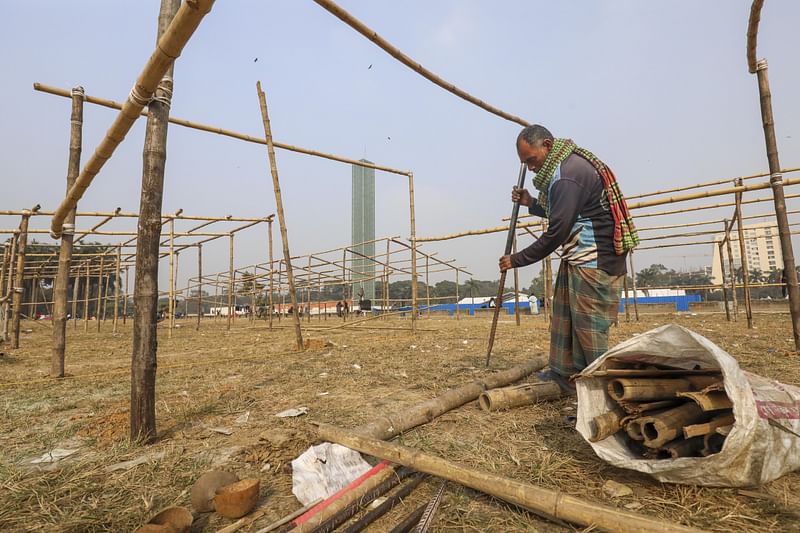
(566, 199)
(536, 209)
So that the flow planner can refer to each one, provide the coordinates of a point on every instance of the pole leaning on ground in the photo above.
(498, 303)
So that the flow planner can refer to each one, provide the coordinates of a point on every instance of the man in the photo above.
(588, 217)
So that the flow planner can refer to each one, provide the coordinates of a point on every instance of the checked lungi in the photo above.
(585, 304)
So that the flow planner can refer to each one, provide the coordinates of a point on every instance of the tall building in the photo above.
(762, 248)
(363, 230)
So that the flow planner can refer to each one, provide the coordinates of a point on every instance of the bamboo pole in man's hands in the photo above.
(498, 303)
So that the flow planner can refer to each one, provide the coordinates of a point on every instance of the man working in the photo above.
(588, 217)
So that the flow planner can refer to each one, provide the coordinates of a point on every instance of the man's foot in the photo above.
(567, 388)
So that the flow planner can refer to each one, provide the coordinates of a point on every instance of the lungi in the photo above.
(585, 304)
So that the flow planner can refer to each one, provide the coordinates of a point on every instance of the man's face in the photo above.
(533, 155)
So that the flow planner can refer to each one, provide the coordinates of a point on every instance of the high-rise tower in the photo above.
(363, 229)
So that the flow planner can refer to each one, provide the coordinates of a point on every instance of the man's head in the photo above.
(533, 144)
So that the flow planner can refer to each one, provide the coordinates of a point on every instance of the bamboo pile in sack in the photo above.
(664, 412)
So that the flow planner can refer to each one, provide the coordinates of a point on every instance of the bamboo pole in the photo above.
(776, 180)
(105, 295)
(386, 281)
(172, 16)
(427, 287)
(633, 276)
(387, 47)
(9, 292)
(75, 288)
(627, 306)
(414, 300)
(752, 35)
(516, 287)
(743, 256)
(19, 282)
(86, 301)
(65, 251)
(200, 285)
(171, 303)
(724, 286)
(458, 315)
(125, 300)
(271, 285)
(116, 288)
(32, 303)
(170, 44)
(231, 286)
(281, 218)
(393, 424)
(552, 504)
(97, 308)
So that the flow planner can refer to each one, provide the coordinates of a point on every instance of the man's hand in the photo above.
(522, 196)
(505, 263)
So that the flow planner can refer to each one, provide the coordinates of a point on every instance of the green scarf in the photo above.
(625, 235)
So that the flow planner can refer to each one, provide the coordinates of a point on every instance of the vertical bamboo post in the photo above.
(97, 307)
(125, 300)
(386, 281)
(116, 287)
(280, 289)
(776, 182)
(458, 314)
(171, 302)
(76, 282)
(627, 307)
(732, 268)
(19, 274)
(281, 218)
(65, 251)
(271, 282)
(308, 292)
(86, 289)
(105, 295)
(319, 297)
(231, 286)
(175, 289)
(3, 291)
(516, 284)
(743, 255)
(724, 286)
(10, 286)
(344, 285)
(33, 303)
(145, 289)
(633, 276)
(413, 253)
(199, 284)
(427, 287)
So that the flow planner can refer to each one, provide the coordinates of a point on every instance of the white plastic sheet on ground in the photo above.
(762, 445)
(323, 470)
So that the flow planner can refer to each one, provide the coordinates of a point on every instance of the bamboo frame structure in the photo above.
(743, 255)
(22, 239)
(169, 47)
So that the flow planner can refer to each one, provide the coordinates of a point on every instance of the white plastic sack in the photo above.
(325, 469)
(760, 446)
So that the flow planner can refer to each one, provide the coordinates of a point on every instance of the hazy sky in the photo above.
(659, 90)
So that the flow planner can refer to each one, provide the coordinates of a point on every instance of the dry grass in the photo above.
(208, 379)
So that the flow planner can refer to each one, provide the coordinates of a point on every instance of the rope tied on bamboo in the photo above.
(68, 229)
(165, 87)
(761, 64)
(79, 91)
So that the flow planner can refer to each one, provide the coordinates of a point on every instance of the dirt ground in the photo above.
(209, 380)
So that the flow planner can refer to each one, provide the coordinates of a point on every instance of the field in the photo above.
(209, 380)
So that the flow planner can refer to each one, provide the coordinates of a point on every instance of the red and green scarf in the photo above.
(625, 235)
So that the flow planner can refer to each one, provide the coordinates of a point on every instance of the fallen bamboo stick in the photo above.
(393, 424)
(518, 395)
(547, 502)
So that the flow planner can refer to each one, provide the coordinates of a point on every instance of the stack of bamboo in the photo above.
(664, 412)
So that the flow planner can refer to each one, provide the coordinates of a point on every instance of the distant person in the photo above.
(588, 217)
(346, 308)
(339, 308)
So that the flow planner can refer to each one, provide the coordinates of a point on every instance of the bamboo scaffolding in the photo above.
(744, 261)
(9, 292)
(281, 218)
(170, 45)
(387, 47)
(19, 282)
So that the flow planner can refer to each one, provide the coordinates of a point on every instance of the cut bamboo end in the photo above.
(237, 499)
(517, 396)
(709, 400)
(605, 425)
(667, 426)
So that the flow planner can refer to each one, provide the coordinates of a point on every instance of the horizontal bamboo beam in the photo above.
(164, 216)
(496, 229)
(226, 133)
(168, 49)
(708, 184)
(393, 51)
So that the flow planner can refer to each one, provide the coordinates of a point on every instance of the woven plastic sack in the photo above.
(762, 445)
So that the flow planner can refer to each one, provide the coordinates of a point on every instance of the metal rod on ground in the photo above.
(145, 284)
(410, 521)
(19, 275)
(498, 302)
(724, 286)
(546, 502)
(776, 181)
(281, 218)
(387, 505)
(65, 251)
(633, 276)
(744, 260)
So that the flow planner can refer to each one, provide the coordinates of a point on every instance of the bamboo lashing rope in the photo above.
(169, 48)
(393, 51)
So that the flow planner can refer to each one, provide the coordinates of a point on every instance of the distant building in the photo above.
(762, 250)
(363, 231)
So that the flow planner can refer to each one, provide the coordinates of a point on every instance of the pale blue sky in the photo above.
(659, 90)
